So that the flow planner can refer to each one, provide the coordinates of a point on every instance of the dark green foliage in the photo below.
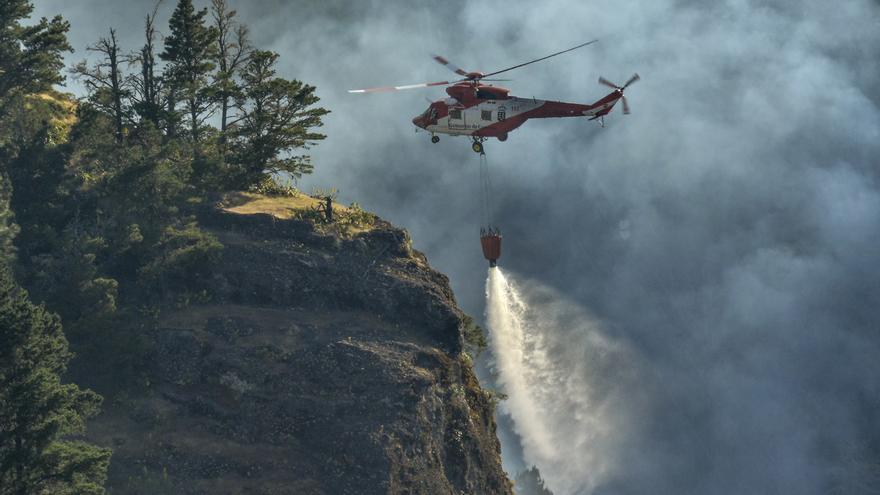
(529, 482)
(8, 229)
(30, 56)
(474, 336)
(276, 116)
(106, 190)
(103, 190)
(189, 50)
(183, 260)
(40, 196)
(68, 279)
(271, 187)
(264, 119)
(39, 411)
(137, 192)
(56, 253)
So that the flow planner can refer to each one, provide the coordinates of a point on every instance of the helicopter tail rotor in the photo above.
(608, 83)
(634, 78)
(620, 89)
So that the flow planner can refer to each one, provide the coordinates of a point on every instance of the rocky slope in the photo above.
(322, 364)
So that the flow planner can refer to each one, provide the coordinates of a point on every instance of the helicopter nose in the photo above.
(419, 121)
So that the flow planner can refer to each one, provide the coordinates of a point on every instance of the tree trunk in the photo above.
(113, 52)
(172, 125)
(224, 110)
(194, 119)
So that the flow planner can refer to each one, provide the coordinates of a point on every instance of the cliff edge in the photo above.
(320, 361)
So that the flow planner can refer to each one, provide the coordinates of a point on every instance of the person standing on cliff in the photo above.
(328, 209)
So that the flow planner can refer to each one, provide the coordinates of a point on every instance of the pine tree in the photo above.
(233, 50)
(189, 49)
(30, 61)
(275, 117)
(37, 411)
(30, 56)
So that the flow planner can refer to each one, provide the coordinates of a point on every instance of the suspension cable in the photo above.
(485, 192)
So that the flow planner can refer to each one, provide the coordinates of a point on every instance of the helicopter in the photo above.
(482, 111)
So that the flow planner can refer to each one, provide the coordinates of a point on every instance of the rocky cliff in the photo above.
(321, 363)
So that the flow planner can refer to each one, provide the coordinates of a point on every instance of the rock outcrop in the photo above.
(320, 364)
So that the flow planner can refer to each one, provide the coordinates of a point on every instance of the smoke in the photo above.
(725, 233)
(564, 382)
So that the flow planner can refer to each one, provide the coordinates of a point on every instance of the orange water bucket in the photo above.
(491, 244)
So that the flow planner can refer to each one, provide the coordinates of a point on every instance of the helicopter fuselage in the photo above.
(483, 111)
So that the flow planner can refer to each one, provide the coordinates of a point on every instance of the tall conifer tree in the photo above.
(275, 117)
(30, 56)
(189, 51)
(233, 50)
(38, 411)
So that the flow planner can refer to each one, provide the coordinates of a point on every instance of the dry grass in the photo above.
(301, 207)
(281, 207)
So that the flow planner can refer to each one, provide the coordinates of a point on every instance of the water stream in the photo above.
(563, 381)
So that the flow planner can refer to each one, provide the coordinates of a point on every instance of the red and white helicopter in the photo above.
(482, 111)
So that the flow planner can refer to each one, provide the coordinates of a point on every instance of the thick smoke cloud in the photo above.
(726, 232)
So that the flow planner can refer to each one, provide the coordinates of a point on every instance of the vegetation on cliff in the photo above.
(104, 188)
(39, 413)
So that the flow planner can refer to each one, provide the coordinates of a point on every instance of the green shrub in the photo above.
(268, 186)
(184, 256)
(474, 336)
(356, 218)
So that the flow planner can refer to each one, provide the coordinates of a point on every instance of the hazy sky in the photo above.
(726, 232)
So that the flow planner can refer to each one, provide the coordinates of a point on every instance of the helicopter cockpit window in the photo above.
(430, 115)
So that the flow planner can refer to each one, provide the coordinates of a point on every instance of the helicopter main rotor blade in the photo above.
(383, 89)
(608, 83)
(633, 79)
(449, 65)
(539, 59)
(625, 105)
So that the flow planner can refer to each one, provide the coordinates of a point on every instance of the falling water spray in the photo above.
(563, 380)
